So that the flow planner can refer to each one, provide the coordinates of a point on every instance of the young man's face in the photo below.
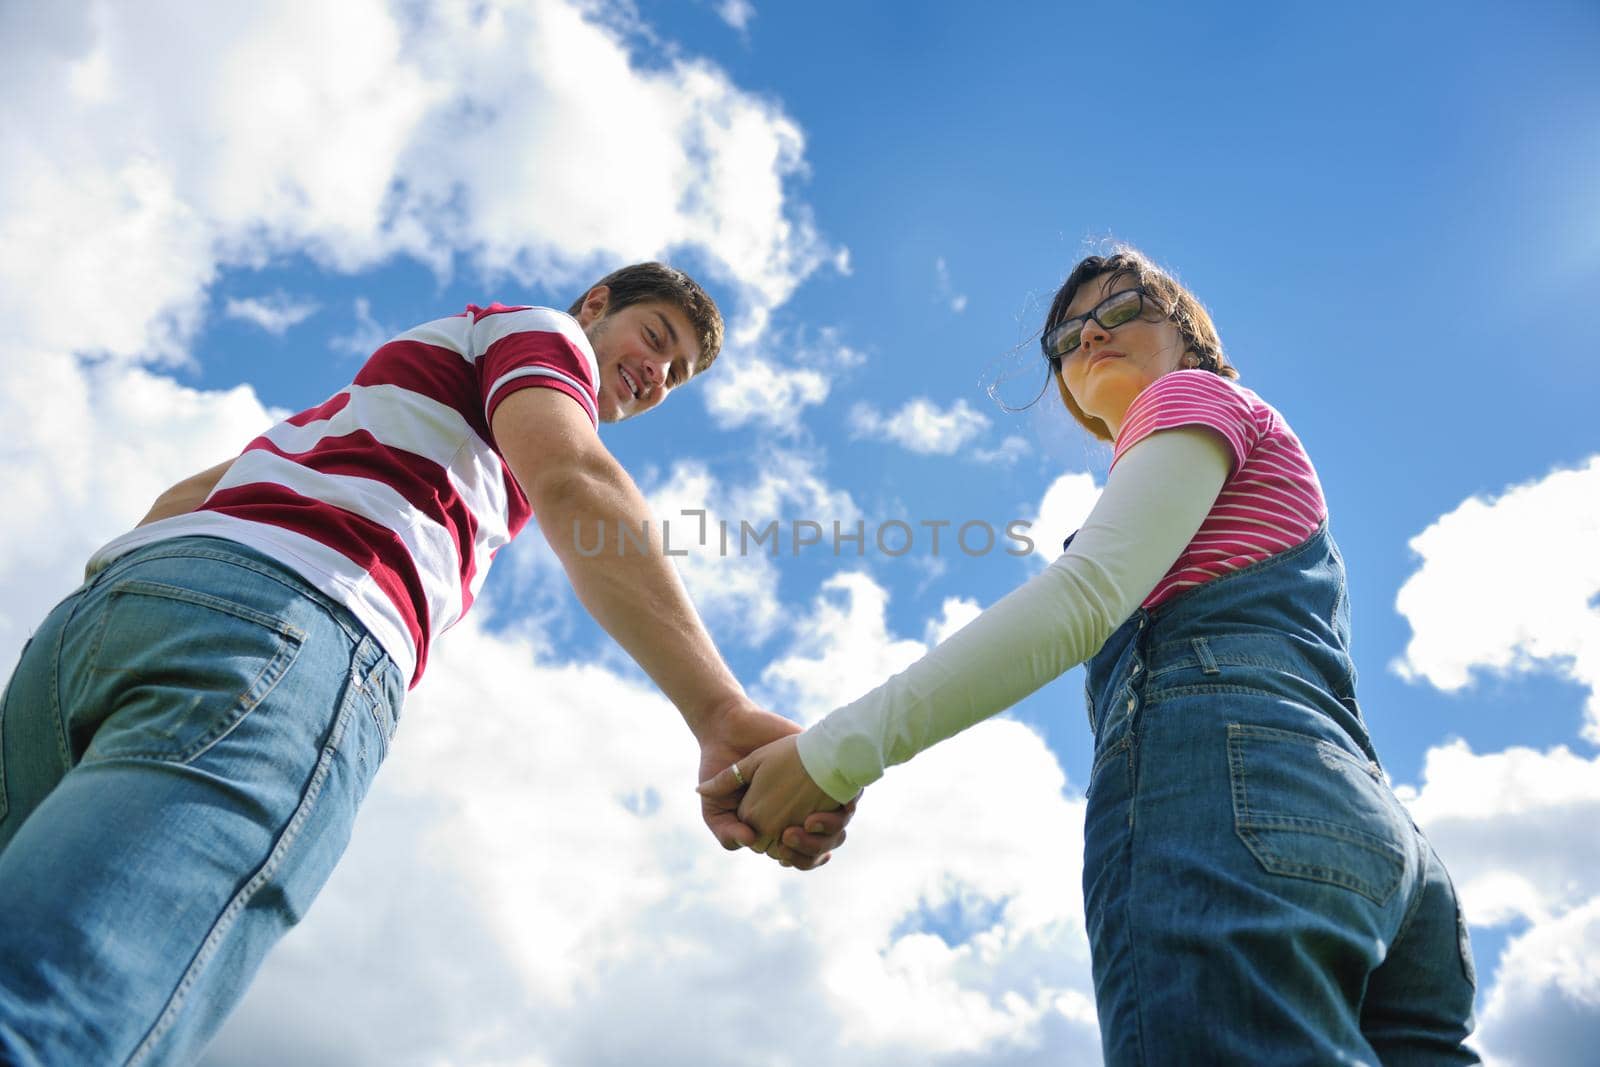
(644, 352)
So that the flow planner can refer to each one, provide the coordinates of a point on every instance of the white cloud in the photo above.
(955, 613)
(736, 13)
(749, 389)
(347, 135)
(772, 384)
(1065, 506)
(829, 350)
(531, 868)
(719, 157)
(1516, 830)
(1514, 827)
(921, 426)
(275, 313)
(1544, 1009)
(118, 170)
(842, 650)
(1534, 609)
(366, 336)
(736, 589)
(956, 301)
(529, 871)
(1006, 453)
(84, 466)
(508, 135)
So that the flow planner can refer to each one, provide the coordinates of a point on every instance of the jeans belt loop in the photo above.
(1202, 651)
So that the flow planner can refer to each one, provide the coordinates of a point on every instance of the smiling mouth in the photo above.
(627, 380)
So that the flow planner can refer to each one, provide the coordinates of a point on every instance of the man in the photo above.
(187, 737)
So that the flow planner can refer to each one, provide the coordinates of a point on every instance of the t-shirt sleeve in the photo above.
(1191, 398)
(525, 348)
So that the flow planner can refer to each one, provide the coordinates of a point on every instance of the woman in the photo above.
(1254, 893)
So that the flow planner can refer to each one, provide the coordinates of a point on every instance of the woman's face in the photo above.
(1111, 367)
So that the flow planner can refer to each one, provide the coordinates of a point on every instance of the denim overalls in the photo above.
(1254, 892)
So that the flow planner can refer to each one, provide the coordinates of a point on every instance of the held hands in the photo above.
(732, 739)
(775, 797)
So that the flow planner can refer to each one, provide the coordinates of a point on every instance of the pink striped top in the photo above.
(1271, 501)
(391, 497)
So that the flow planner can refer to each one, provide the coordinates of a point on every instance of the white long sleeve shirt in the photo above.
(1156, 497)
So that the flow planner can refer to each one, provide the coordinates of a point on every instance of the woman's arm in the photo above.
(1154, 501)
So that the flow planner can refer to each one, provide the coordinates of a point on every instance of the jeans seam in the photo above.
(371, 703)
(277, 572)
(5, 702)
(57, 716)
(1132, 895)
(287, 838)
(145, 587)
(1412, 907)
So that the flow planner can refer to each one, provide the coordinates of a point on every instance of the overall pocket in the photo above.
(177, 670)
(1307, 808)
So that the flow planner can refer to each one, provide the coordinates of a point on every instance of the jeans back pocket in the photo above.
(174, 670)
(1307, 808)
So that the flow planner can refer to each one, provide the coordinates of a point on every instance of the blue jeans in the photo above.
(1254, 892)
(183, 748)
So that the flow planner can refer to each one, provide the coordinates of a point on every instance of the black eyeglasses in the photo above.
(1061, 340)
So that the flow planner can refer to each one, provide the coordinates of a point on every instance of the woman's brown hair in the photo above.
(1179, 307)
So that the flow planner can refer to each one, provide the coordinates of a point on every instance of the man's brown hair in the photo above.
(645, 282)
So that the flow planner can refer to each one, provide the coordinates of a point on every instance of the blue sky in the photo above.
(1392, 212)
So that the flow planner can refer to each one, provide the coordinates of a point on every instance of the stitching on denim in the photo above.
(1133, 895)
(283, 662)
(260, 687)
(363, 685)
(5, 702)
(290, 580)
(144, 587)
(1088, 703)
(1247, 823)
(1339, 592)
(1214, 659)
(1292, 737)
(1413, 906)
(1152, 695)
(264, 874)
(63, 749)
(1215, 636)
(1135, 717)
(1276, 864)
(1120, 748)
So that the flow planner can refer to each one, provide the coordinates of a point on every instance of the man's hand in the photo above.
(732, 736)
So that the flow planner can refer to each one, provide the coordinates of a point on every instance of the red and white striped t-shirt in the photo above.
(391, 497)
(1271, 501)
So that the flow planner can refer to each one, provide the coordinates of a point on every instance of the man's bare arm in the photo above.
(187, 494)
(572, 481)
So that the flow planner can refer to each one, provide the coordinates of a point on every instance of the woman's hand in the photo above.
(733, 736)
(778, 792)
